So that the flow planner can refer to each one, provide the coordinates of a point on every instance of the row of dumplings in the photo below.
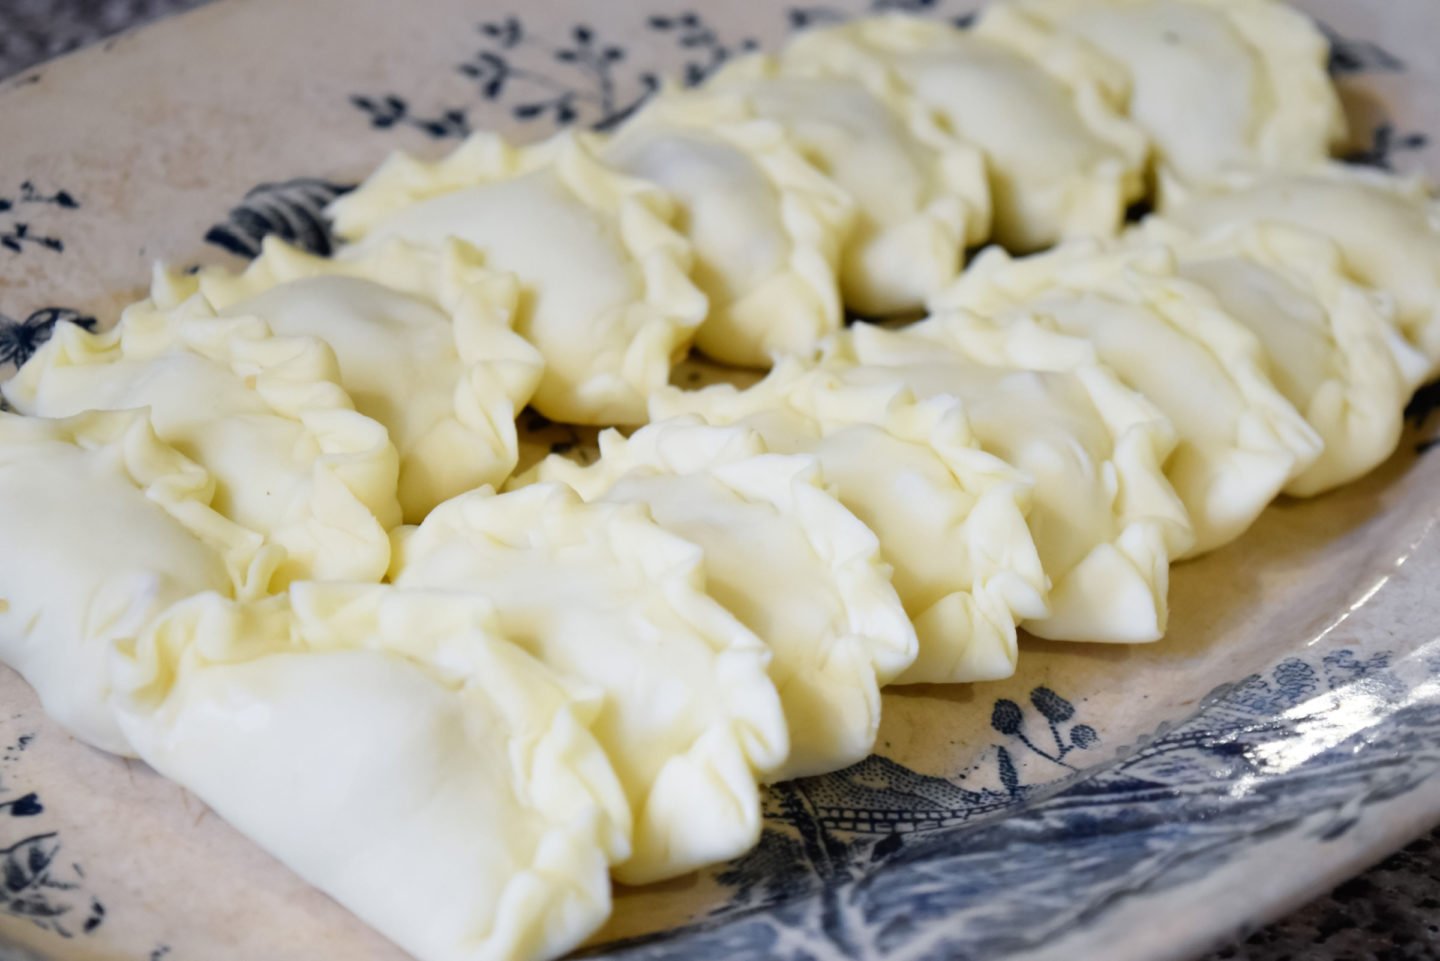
(255, 534)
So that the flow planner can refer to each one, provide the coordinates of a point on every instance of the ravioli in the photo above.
(1063, 160)
(766, 227)
(1387, 229)
(363, 734)
(1105, 520)
(920, 193)
(264, 415)
(1218, 86)
(605, 298)
(1241, 440)
(782, 555)
(105, 527)
(1332, 345)
(949, 517)
(424, 346)
(602, 595)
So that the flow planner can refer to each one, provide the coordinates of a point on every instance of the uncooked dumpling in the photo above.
(1063, 160)
(1387, 229)
(1241, 440)
(950, 518)
(396, 752)
(766, 227)
(105, 527)
(606, 298)
(601, 594)
(264, 415)
(1218, 85)
(1105, 520)
(920, 193)
(424, 345)
(785, 558)
(1332, 345)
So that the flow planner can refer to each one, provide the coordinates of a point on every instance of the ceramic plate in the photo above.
(1115, 802)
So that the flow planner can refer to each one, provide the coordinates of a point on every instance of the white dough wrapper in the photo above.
(920, 193)
(782, 555)
(105, 527)
(767, 228)
(396, 752)
(1047, 111)
(1241, 439)
(1105, 520)
(602, 594)
(606, 296)
(1333, 346)
(425, 347)
(1387, 229)
(1218, 85)
(264, 415)
(950, 518)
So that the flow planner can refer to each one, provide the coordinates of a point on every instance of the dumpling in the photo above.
(105, 527)
(264, 415)
(782, 555)
(1333, 349)
(949, 517)
(1241, 440)
(605, 293)
(1063, 160)
(1387, 229)
(1219, 86)
(601, 594)
(920, 193)
(424, 345)
(395, 751)
(766, 227)
(1105, 520)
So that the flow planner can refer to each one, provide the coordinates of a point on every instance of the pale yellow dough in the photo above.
(767, 228)
(1241, 440)
(920, 193)
(424, 344)
(394, 750)
(105, 527)
(1219, 85)
(264, 415)
(1387, 229)
(1332, 345)
(1105, 520)
(950, 518)
(605, 293)
(783, 556)
(1063, 159)
(603, 595)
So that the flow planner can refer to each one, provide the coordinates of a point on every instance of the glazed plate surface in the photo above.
(1115, 802)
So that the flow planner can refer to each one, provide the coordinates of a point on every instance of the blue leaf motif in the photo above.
(293, 210)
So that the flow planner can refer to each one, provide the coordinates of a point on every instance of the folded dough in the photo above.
(1063, 160)
(782, 555)
(1241, 440)
(766, 227)
(601, 594)
(605, 293)
(950, 518)
(393, 750)
(920, 193)
(1218, 85)
(1105, 520)
(105, 527)
(1332, 346)
(1387, 229)
(424, 344)
(265, 415)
